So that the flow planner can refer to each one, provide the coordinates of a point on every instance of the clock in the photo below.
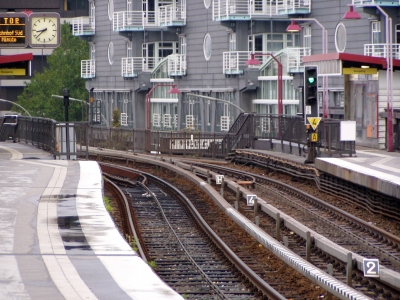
(45, 30)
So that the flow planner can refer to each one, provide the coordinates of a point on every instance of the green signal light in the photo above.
(311, 79)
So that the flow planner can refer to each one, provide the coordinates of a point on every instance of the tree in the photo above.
(116, 118)
(64, 72)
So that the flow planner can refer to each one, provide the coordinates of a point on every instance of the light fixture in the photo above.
(293, 27)
(174, 90)
(253, 61)
(351, 14)
(364, 67)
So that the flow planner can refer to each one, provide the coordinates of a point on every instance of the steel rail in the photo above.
(258, 282)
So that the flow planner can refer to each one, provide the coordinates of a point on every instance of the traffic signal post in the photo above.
(311, 110)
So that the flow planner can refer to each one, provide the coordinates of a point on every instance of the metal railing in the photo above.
(83, 26)
(257, 9)
(88, 68)
(132, 66)
(134, 20)
(174, 14)
(379, 50)
(294, 58)
(177, 65)
(374, 2)
(246, 132)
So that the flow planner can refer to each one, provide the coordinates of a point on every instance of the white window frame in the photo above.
(307, 36)
(124, 119)
(156, 120)
(375, 32)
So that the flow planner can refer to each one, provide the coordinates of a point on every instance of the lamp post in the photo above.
(254, 62)
(173, 90)
(293, 27)
(16, 104)
(389, 68)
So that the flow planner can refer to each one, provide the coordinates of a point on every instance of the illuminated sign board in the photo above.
(12, 72)
(13, 30)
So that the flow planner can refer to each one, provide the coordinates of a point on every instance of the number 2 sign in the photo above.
(371, 267)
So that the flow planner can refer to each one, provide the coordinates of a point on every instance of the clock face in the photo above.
(44, 31)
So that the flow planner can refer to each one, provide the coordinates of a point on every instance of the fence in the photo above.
(248, 129)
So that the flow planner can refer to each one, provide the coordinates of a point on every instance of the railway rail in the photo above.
(373, 201)
(346, 292)
(340, 227)
(181, 249)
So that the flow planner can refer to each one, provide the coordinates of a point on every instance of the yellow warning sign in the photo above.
(314, 121)
(314, 137)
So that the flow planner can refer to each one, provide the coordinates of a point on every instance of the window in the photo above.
(376, 32)
(397, 34)
(255, 43)
(340, 37)
(183, 44)
(156, 120)
(92, 51)
(75, 4)
(129, 52)
(207, 46)
(110, 9)
(124, 119)
(232, 41)
(111, 53)
(307, 36)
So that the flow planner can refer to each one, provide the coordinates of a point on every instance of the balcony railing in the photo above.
(83, 26)
(376, 2)
(227, 10)
(379, 50)
(287, 7)
(294, 59)
(132, 66)
(166, 15)
(134, 20)
(88, 68)
(177, 65)
(234, 62)
(173, 15)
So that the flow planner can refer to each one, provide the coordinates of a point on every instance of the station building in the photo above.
(140, 50)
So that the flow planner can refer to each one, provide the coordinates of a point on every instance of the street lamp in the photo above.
(389, 68)
(255, 62)
(173, 90)
(294, 27)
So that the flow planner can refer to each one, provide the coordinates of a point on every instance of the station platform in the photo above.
(376, 169)
(57, 240)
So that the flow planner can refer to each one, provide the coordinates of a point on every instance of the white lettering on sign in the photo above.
(371, 267)
(251, 199)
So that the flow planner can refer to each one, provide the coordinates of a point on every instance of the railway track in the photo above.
(340, 227)
(185, 257)
(265, 264)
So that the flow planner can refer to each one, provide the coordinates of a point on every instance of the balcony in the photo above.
(176, 65)
(83, 26)
(288, 7)
(88, 69)
(236, 10)
(134, 21)
(132, 66)
(173, 15)
(379, 50)
(167, 15)
(294, 59)
(376, 2)
(234, 62)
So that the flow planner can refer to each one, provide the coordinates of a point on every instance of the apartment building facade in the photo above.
(140, 50)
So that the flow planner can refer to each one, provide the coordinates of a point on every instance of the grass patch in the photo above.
(108, 205)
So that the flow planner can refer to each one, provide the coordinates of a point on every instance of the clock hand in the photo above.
(41, 31)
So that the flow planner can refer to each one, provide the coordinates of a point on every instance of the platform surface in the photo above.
(57, 239)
